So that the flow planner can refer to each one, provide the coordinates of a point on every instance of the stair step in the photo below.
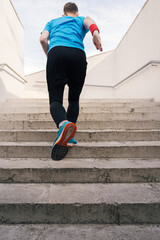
(111, 177)
(79, 232)
(85, 125)
(108, 105)
(113, 203)
(151, 109)
(83, 116)
(79, 170)
(83, 100)
(146, 149)
(81, 135)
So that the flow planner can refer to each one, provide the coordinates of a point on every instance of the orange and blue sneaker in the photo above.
(72, 143)
(64, 135)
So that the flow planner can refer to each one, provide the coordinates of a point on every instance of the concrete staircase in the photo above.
(108, 187)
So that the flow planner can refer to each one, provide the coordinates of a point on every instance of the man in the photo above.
(66, 64)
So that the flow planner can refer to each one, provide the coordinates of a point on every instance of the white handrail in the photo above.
(152, 63)
(2, 65)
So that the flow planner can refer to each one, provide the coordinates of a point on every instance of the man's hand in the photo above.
(97, 40)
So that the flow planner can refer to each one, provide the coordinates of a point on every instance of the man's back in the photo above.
(66, 31)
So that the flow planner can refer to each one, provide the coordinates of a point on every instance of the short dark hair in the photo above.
(70, 7)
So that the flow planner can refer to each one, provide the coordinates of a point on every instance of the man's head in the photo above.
(70, 9)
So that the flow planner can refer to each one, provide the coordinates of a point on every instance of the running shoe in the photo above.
(64, 135)
(72, 143)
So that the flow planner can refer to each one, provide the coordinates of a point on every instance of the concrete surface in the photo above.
(111, 178)
(83, 116)
(79, 170)
(79, 232)
(84, 100)
(80, 203)
(81, 135)
(148, 149)
(82, 125)
(120, 109)
(97, 104)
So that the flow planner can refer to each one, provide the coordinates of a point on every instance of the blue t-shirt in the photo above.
(66, 31)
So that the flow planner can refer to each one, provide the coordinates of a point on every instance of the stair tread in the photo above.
(88, 144)
(79, 121)
(82, 131)
(38, 163)
(113, 193)
(79, 231)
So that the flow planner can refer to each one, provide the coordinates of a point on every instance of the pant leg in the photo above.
(76, 78)
(57, 110)
(56, 80)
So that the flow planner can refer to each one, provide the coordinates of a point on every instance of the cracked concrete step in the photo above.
(85, 125)
(81, 135)
(114, 203)
(136, 149)
(152, 109)
(83, 116)
(79, 170)
(79, 232)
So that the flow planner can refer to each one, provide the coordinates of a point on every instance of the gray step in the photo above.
(85, 125)
(81, 135)
(152, 109)
(79, 170)
(79, 232)
(140, 149)
(125, 203)
(83, 116)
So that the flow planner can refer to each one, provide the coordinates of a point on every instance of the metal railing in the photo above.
(150, 63)
(2, 65)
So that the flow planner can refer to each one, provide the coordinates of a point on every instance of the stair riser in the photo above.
(83, 105)
(82, 125)
(125, 213)
(152, 109)
(83, 100)
(82, 152)
(84, 116)
(71, 175)
(80, 136)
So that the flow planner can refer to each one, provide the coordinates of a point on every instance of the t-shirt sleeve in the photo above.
(85, 29)
(47, 27)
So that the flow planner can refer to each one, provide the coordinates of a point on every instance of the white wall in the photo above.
(100, 70)
(12, 37)
(11, 50)
(140, 45)
(36, 86)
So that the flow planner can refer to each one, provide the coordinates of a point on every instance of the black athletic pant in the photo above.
(65, 65)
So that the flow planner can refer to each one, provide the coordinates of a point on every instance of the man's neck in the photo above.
(71, 14)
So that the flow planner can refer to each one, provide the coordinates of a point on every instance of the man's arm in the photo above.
(44, 41)
(96, 38)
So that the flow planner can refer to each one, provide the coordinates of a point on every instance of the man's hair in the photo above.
(70, 7)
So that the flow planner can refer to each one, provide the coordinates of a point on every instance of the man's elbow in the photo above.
(42, 39)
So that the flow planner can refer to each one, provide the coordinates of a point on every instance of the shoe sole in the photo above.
(71, 144)
(59, 152)
(60, 149)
